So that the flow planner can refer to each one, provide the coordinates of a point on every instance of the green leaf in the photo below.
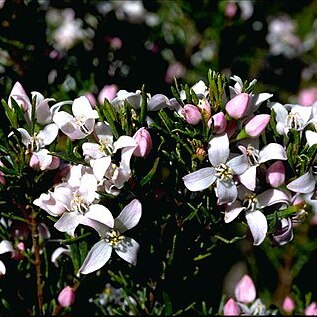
(151, 173)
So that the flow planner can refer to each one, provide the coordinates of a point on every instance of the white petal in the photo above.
(227, 192)
(62, 118)
(49, 133)
(25, 136)
(280, 112)
(128, 250)
(311, 137)
(82, 107)
(303, 184)
(100, 213)
(239, 164)
(126, 154)
(218, 149)
(6, 246)
(96, 258)
(272, 151)
(129, 216)
(88, 187)
(57, 253)
(258, 225)
(100, 166)
(2, 268)
(68, 221)
(233, 211)
(304, 112)
(271, 197)
(124, 141)
(157, 102)
(200, 179)
(92, 150)
(248, 178)
(257, 99)
(103, 131)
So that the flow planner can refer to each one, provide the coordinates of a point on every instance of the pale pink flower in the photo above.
(308, 96)
(231, 308)
(275, 174)
(109, 92)
(288, 304)
(311, 310)
(245, 291)
(257, 125)
(67, 296)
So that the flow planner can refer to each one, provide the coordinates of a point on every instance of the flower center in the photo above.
(113, 238)
(78, 204)
(250, 201)
(294, 121)
(35, 144)
(224, 172)
(106, 147)
(252, 155)
(80, 123)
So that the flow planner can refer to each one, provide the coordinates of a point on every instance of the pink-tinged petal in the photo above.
(200, 180)
(2, 268)
(49, 133)
(144, 143)
(19, 95)
(288, 304)
(238, 106)
(219, 123)
(82, 107)
(100, 213)
(68, 221)
(239, 164)
(128, 250)
(64, 195)
(231, 308)
(245, 291)
(271, 197)
(311, 137)
(25, 136)
(88, 187)
(258, 225)
(284, 231)
(67, 297)
(129, 216)
(48, 203)
(218, 149)
(96, 258)
(303, 184)
(109, 92)
(191, 114)
(232, 211)
(6, 246)
(157, 102)
(257, 125)
(248, 178)
(100, 166)
(92, 150)
(134, 99)
(272, 151)
(275, 174)
(226, 192)
(103, 132)
(311, 310)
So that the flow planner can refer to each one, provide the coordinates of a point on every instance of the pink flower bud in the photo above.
(275, 174)
(219, 122)
(307, 96)
(204, 107)
(231, 9)
(238, 106)
(288, 304)
(17, 254)
(245, 290)
(231, 308)
(19, 95)
(144, 143)
(311, 310)
(67, 296)
(91, 99)
(257, 125)
(2, 178)
(108, 91)
(191, 114)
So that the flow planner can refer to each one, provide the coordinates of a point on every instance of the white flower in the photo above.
(112, 238)
(272, 151)
(5, 246)
(99, 154)
(221, 172)
(81, 123)
(253, 204)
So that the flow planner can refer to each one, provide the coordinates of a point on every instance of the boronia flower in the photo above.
(221, 172)
(81, 123)
(112, 239)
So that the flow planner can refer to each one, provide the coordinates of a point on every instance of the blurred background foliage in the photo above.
(64, 49)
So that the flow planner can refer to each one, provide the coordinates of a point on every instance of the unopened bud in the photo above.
(238, 106)
(19, 95)
(144, 143)
(311, 310)
(245, 290)
(109, 92)
(231, 308)
(219, 123)
(257, 125)
(67, 296)
(275, 174)
(288, 304)
(191, 114)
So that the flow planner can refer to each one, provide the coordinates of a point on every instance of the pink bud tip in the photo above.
(245, 290)
(288, 305)
(108, 91)
(66, 297)
(275, 174)
(191, 114)
(231, 308)
(219, 122)
(311, 310)
(144, 143)
(238, 106)
(257, 125)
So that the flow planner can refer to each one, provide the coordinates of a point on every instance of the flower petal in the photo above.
(2, 268)
(68, 221)
(311, 137)
(129, 216)
(271, 197)
(96, 258)
(128, 250)
(248, 178)
(258, 225)
(272, 151)
(227, 192)
(6, 246)
(239, 164)
(100, 213)
(303, 184)
(200, 179)
(49, 133)
(232, 211)
(82, 107)
(218, 149)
